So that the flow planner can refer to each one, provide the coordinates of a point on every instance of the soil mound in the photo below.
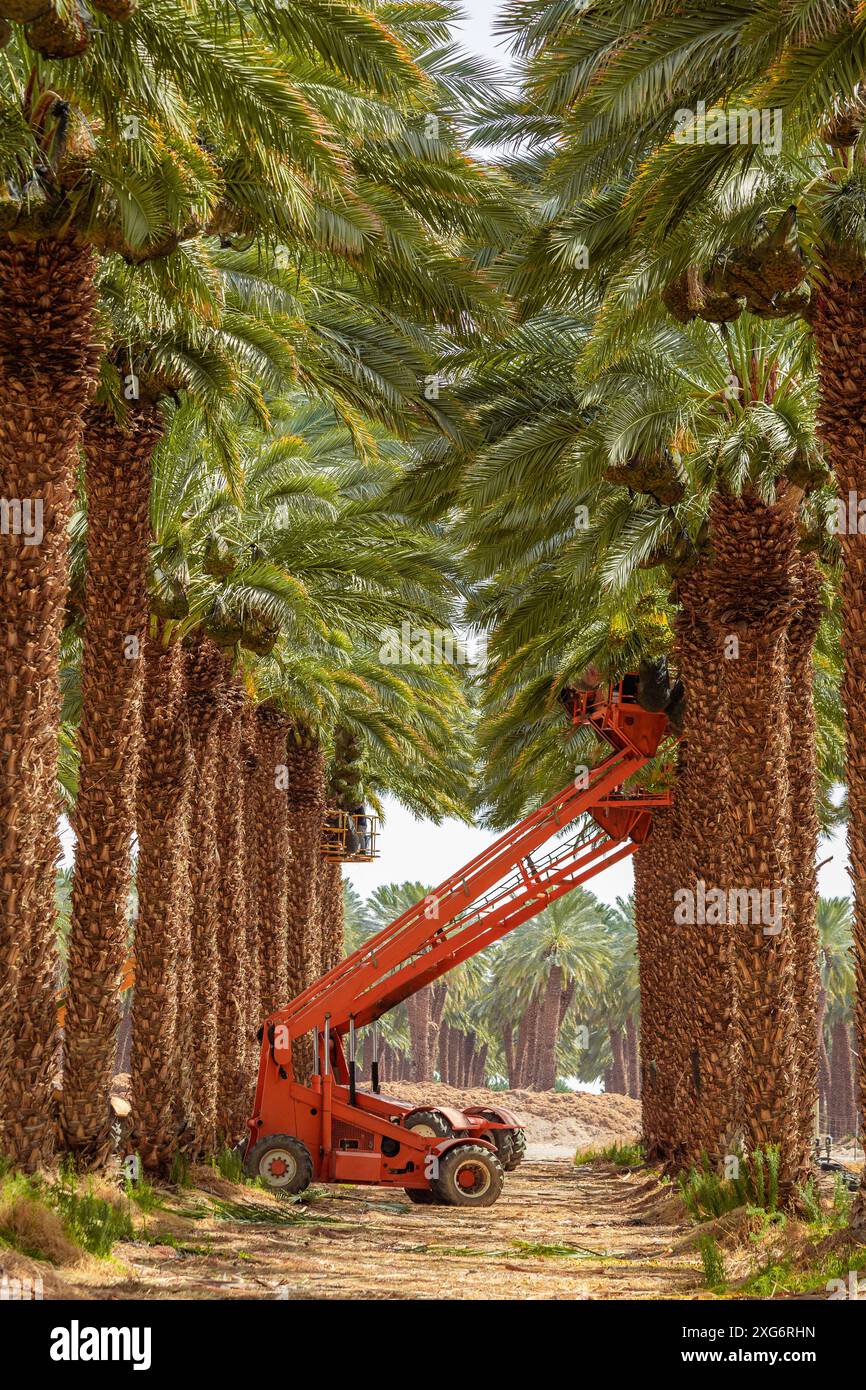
(552, 1120)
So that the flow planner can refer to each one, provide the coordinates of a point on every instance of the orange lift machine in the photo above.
(325, 1128)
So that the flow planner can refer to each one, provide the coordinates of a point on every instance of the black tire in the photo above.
(421, 1196)
(676, 708)
(485, 1168)
(510, 1143)
(517, 1149)
(654, 685)
(431, 1122)
(265, 1158)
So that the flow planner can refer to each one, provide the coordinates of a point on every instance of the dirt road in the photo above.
(558, 1231)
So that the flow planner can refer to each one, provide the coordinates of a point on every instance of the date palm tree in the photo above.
(554, 963)
(277, 572)
(118, 467)
(162, 926)
(723, 229)
(582, 499)
(837, 989)
(232, 143)
(64, 193)
(383, 905)
(665, 1063)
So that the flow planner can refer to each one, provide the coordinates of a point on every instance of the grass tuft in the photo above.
(93, 1222)
(624, 1155)
(180, 1175)
(143, 1194)
(707, 1195)
(782, 1276)
(58, 1221)
(713, 1263)
(229, 1164)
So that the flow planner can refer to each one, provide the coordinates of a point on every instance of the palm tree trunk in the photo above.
(565, 1000)
(123, 1056)
(438, 997)
(235, 1077)
(755, 591)
(663, 1047)
(853, 1060)
(841, 1082)
(839, 325)
(617, 1071)
(803, 832)
(162, 819)
(548, 1031)
(418, 1010)
(117, 473)
(206, 675)
(305, 813)
(632, 1057)
(706, 1096)
(306, 807)
(526, 1037)
(824, 1090)
(823, 1065)
(510, 1056)
(454, 1057)
(272, 859)
(330, 905)
(442, 1054)
(468, 1059)
(253, 879)
(48, 362)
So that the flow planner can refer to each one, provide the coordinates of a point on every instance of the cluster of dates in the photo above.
(768, 278)
(58, 30)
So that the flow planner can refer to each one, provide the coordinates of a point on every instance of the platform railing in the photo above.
(349, 838)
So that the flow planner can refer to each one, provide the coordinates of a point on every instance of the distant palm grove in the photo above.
(314, 330)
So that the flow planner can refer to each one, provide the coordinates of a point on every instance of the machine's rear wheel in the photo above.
(282, 1162)
(514, 1151)
(430, 1123)
(510, 1143)
(469, 1176)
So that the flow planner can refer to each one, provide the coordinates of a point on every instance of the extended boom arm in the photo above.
(503, 886)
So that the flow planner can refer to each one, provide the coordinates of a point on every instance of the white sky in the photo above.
(476, 30)
(420, 851)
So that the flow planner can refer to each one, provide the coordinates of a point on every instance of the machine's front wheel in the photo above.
(421, 1196)
(282, 1162)
(469, 1176)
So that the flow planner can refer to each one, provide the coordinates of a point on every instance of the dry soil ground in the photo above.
(558, 1231)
